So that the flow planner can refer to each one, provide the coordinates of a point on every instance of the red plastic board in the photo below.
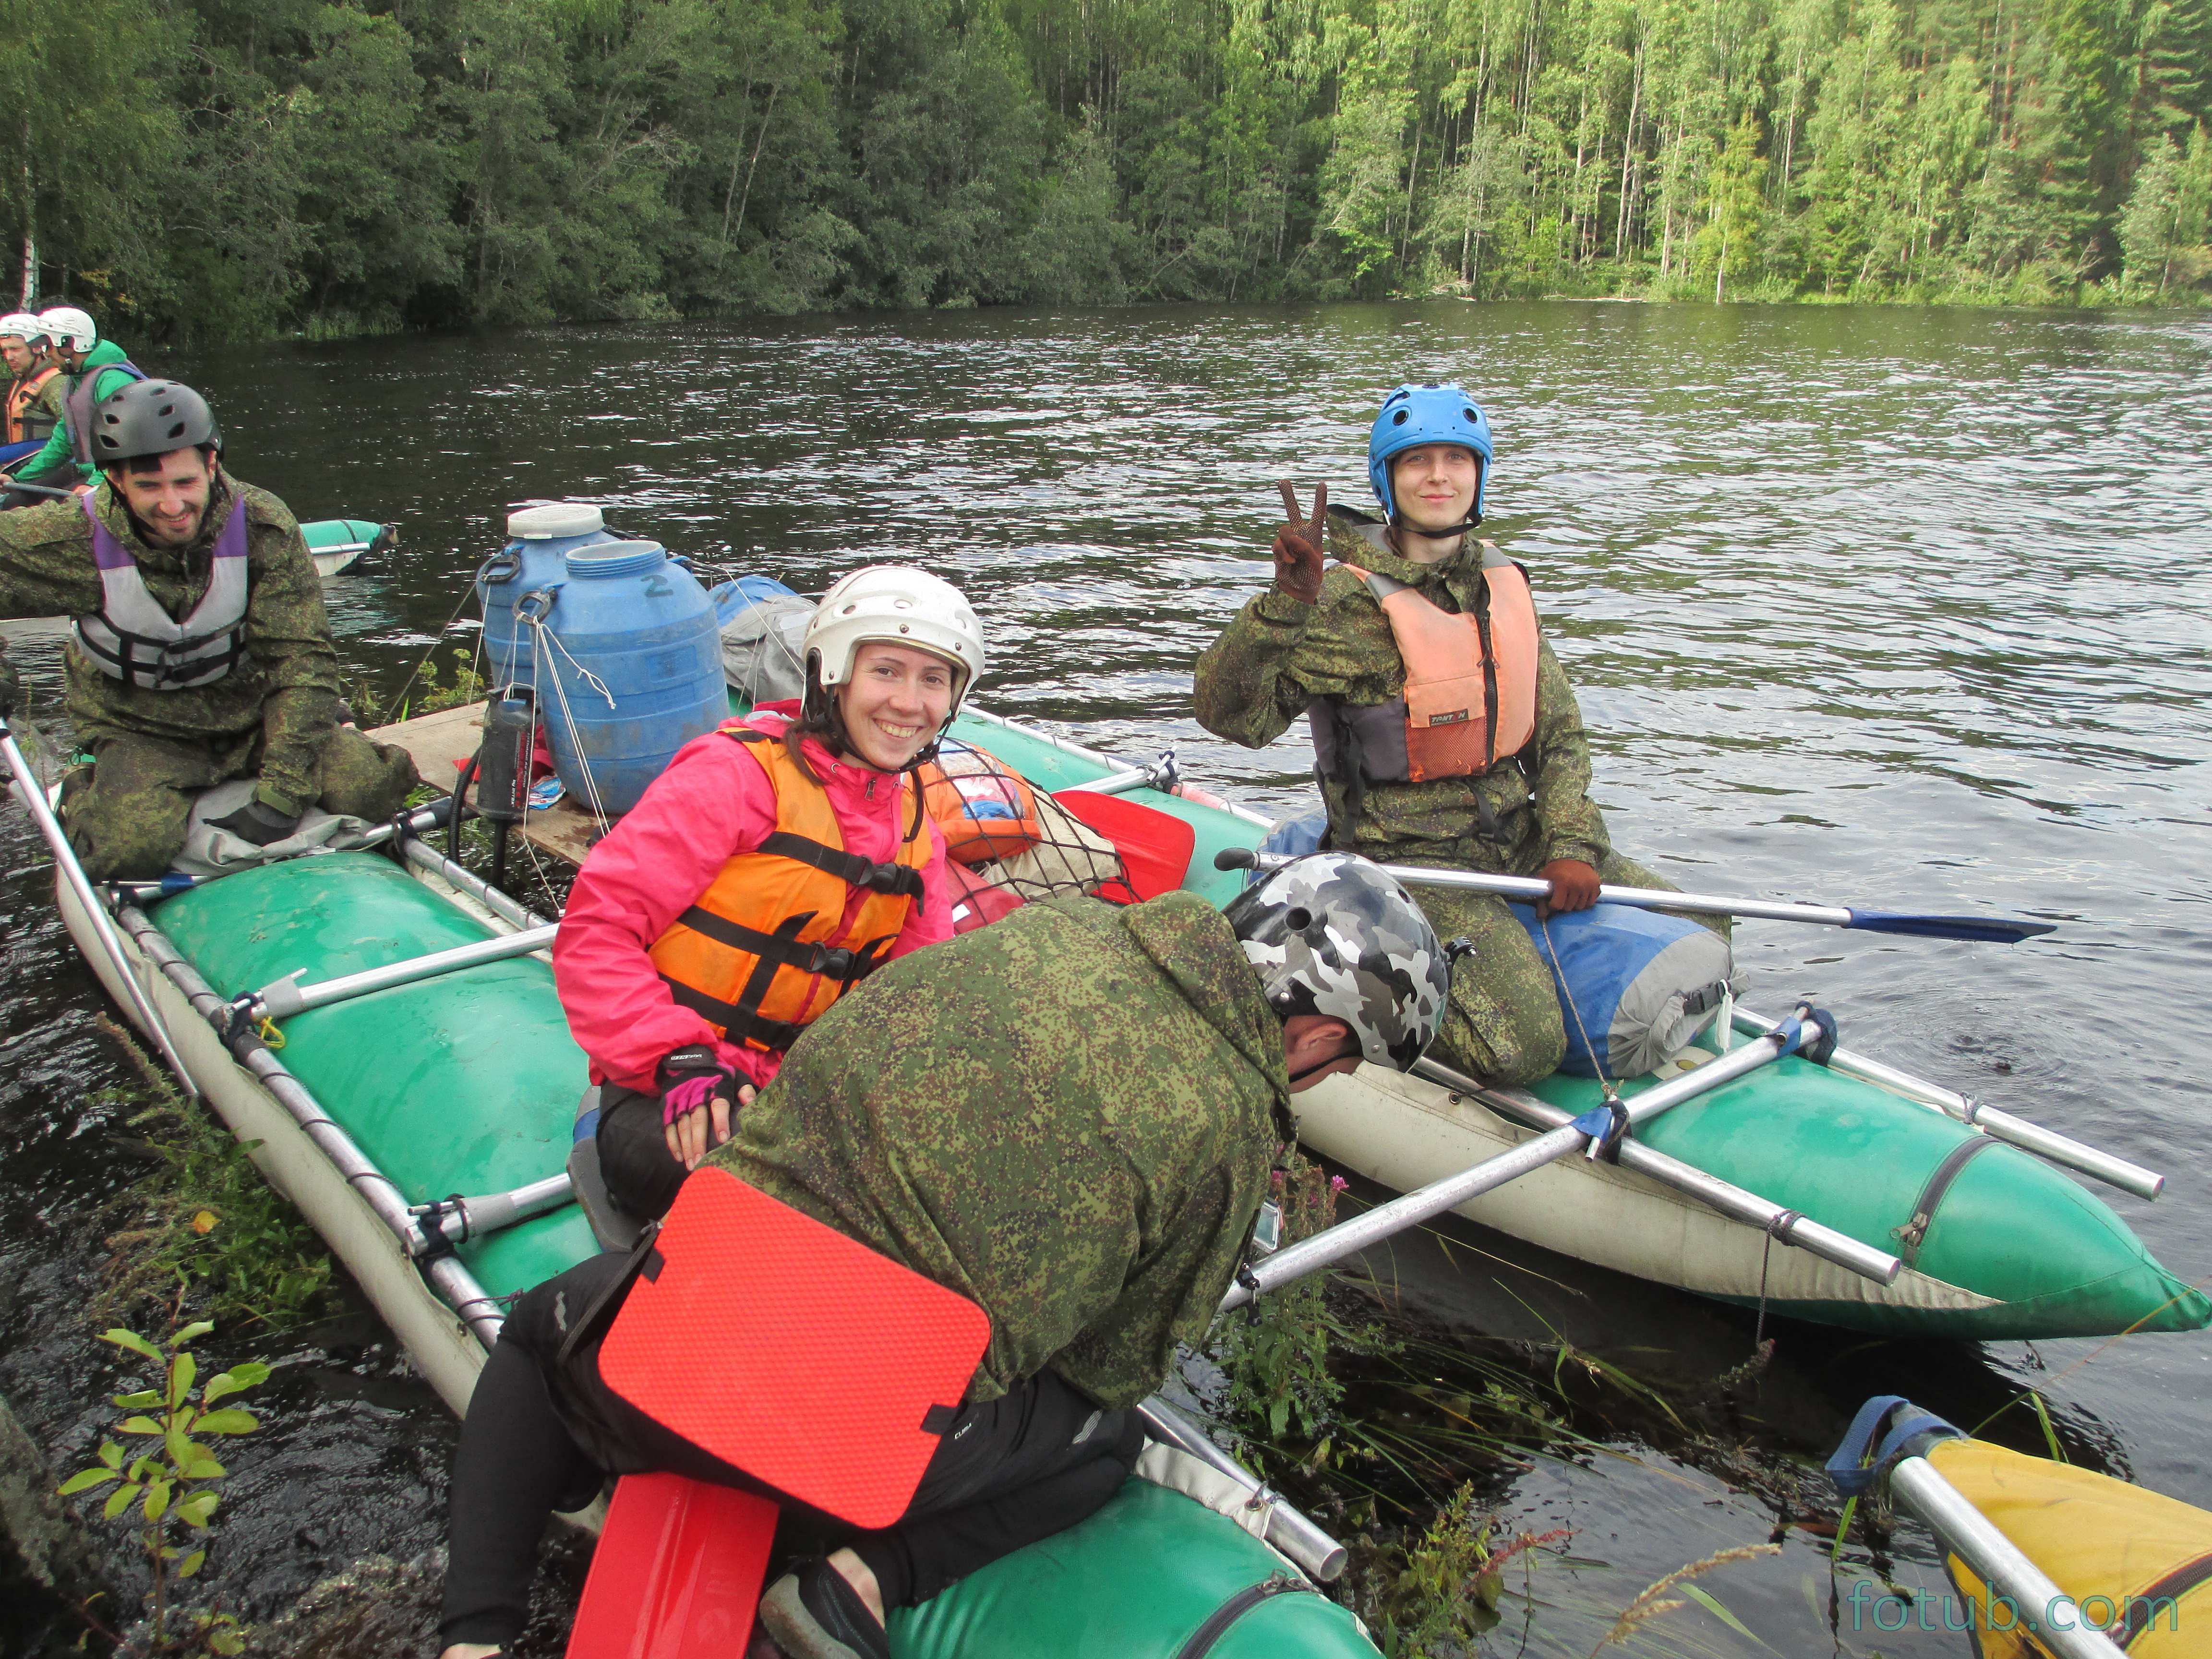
(792, 1352)
(677, 1572)
(1155, 846)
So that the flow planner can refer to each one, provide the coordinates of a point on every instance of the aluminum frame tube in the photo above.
(1998, 1561)
(1316, 1554)
(282, 999)
(2107, 1167)
(95, 911)
(1734, 1202)
(462, 879)
(487, 1212)
(1333, 1244)
(446, 1273)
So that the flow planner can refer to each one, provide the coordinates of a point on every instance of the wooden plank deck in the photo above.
(441, 741)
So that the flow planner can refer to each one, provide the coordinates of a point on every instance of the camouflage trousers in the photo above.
(1503, 1024)
(127, 812)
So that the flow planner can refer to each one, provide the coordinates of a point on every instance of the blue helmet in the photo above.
(1432, 414)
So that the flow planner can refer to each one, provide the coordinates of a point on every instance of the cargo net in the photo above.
(1008, 842)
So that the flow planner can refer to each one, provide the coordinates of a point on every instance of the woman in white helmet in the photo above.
(775, 864)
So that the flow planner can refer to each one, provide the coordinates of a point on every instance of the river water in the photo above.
(1902, 608)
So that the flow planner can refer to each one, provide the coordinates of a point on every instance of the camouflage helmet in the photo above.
(1331, 934)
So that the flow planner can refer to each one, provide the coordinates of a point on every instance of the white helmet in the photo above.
(71, 329)
(894, 604)
(30, 329)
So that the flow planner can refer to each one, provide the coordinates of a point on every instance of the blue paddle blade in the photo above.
(1984, 929)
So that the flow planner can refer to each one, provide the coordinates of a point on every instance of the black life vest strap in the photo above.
(154, 674)
(850, 868)
(741, 1020)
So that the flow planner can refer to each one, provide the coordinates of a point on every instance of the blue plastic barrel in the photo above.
(635, 668)
(539, 537)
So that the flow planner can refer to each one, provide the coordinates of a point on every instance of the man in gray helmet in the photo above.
(200, 652)
(1069, 1117)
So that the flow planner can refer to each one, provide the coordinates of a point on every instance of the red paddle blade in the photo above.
(677, 1573)
(1155, 846)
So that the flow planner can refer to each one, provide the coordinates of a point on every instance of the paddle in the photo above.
(36, 489)
(1984, 930)
(1590, 1131)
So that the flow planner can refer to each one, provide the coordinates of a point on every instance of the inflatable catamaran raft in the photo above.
(425, 1055)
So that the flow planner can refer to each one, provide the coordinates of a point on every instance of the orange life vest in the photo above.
(765, 949)
(984, 808)
(21, 394)
(1470, 696)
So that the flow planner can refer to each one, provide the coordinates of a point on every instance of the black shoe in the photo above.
(813, 1614)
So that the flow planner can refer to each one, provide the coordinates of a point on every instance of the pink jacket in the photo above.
(713, 803)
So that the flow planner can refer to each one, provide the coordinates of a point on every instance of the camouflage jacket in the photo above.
(286, 687)
(1280, 655)
(1069, 1117)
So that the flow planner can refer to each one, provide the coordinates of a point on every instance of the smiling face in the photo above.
(167, 496)
(895, 700)
(1435, 485)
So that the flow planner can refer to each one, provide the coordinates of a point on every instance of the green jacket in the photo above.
(56, 464)
(1280, 655)
(1069, 1117)
(287, 684)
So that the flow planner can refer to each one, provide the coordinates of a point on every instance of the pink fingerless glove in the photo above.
(687, 1095)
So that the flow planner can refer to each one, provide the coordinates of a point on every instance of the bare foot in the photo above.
(850, 1567)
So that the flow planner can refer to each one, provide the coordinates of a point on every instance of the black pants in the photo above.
(642, 1174)
(542, 1433)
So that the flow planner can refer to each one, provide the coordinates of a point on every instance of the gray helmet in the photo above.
(150, 417)
(1332, 934)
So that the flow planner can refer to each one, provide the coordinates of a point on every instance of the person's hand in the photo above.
(256, 821)
(1574, 887)
(697, 1095)
(1297, 548)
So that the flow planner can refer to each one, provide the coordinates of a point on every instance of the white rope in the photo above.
(1566, 994)
(567, 715)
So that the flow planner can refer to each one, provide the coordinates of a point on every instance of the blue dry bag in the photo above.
(1644, 984)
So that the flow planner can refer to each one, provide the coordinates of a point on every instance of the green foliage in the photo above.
(170, 1485)
(423, 692)
(1276, 1351)
(229, 168)
(204, 1217)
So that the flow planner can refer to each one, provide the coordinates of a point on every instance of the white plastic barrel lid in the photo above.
(550, 520)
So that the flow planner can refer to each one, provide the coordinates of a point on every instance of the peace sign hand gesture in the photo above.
(1299, 545)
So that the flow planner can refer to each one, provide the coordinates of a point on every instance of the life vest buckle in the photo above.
(834, 965)
(885, 878)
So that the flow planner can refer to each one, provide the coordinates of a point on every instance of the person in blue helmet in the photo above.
(1444, 731)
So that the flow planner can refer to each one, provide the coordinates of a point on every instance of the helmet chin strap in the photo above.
(1337, 1060)
(1400, 525)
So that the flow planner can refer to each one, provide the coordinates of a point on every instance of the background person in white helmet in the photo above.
(96, 368)
(37, 384)
(771, 867)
